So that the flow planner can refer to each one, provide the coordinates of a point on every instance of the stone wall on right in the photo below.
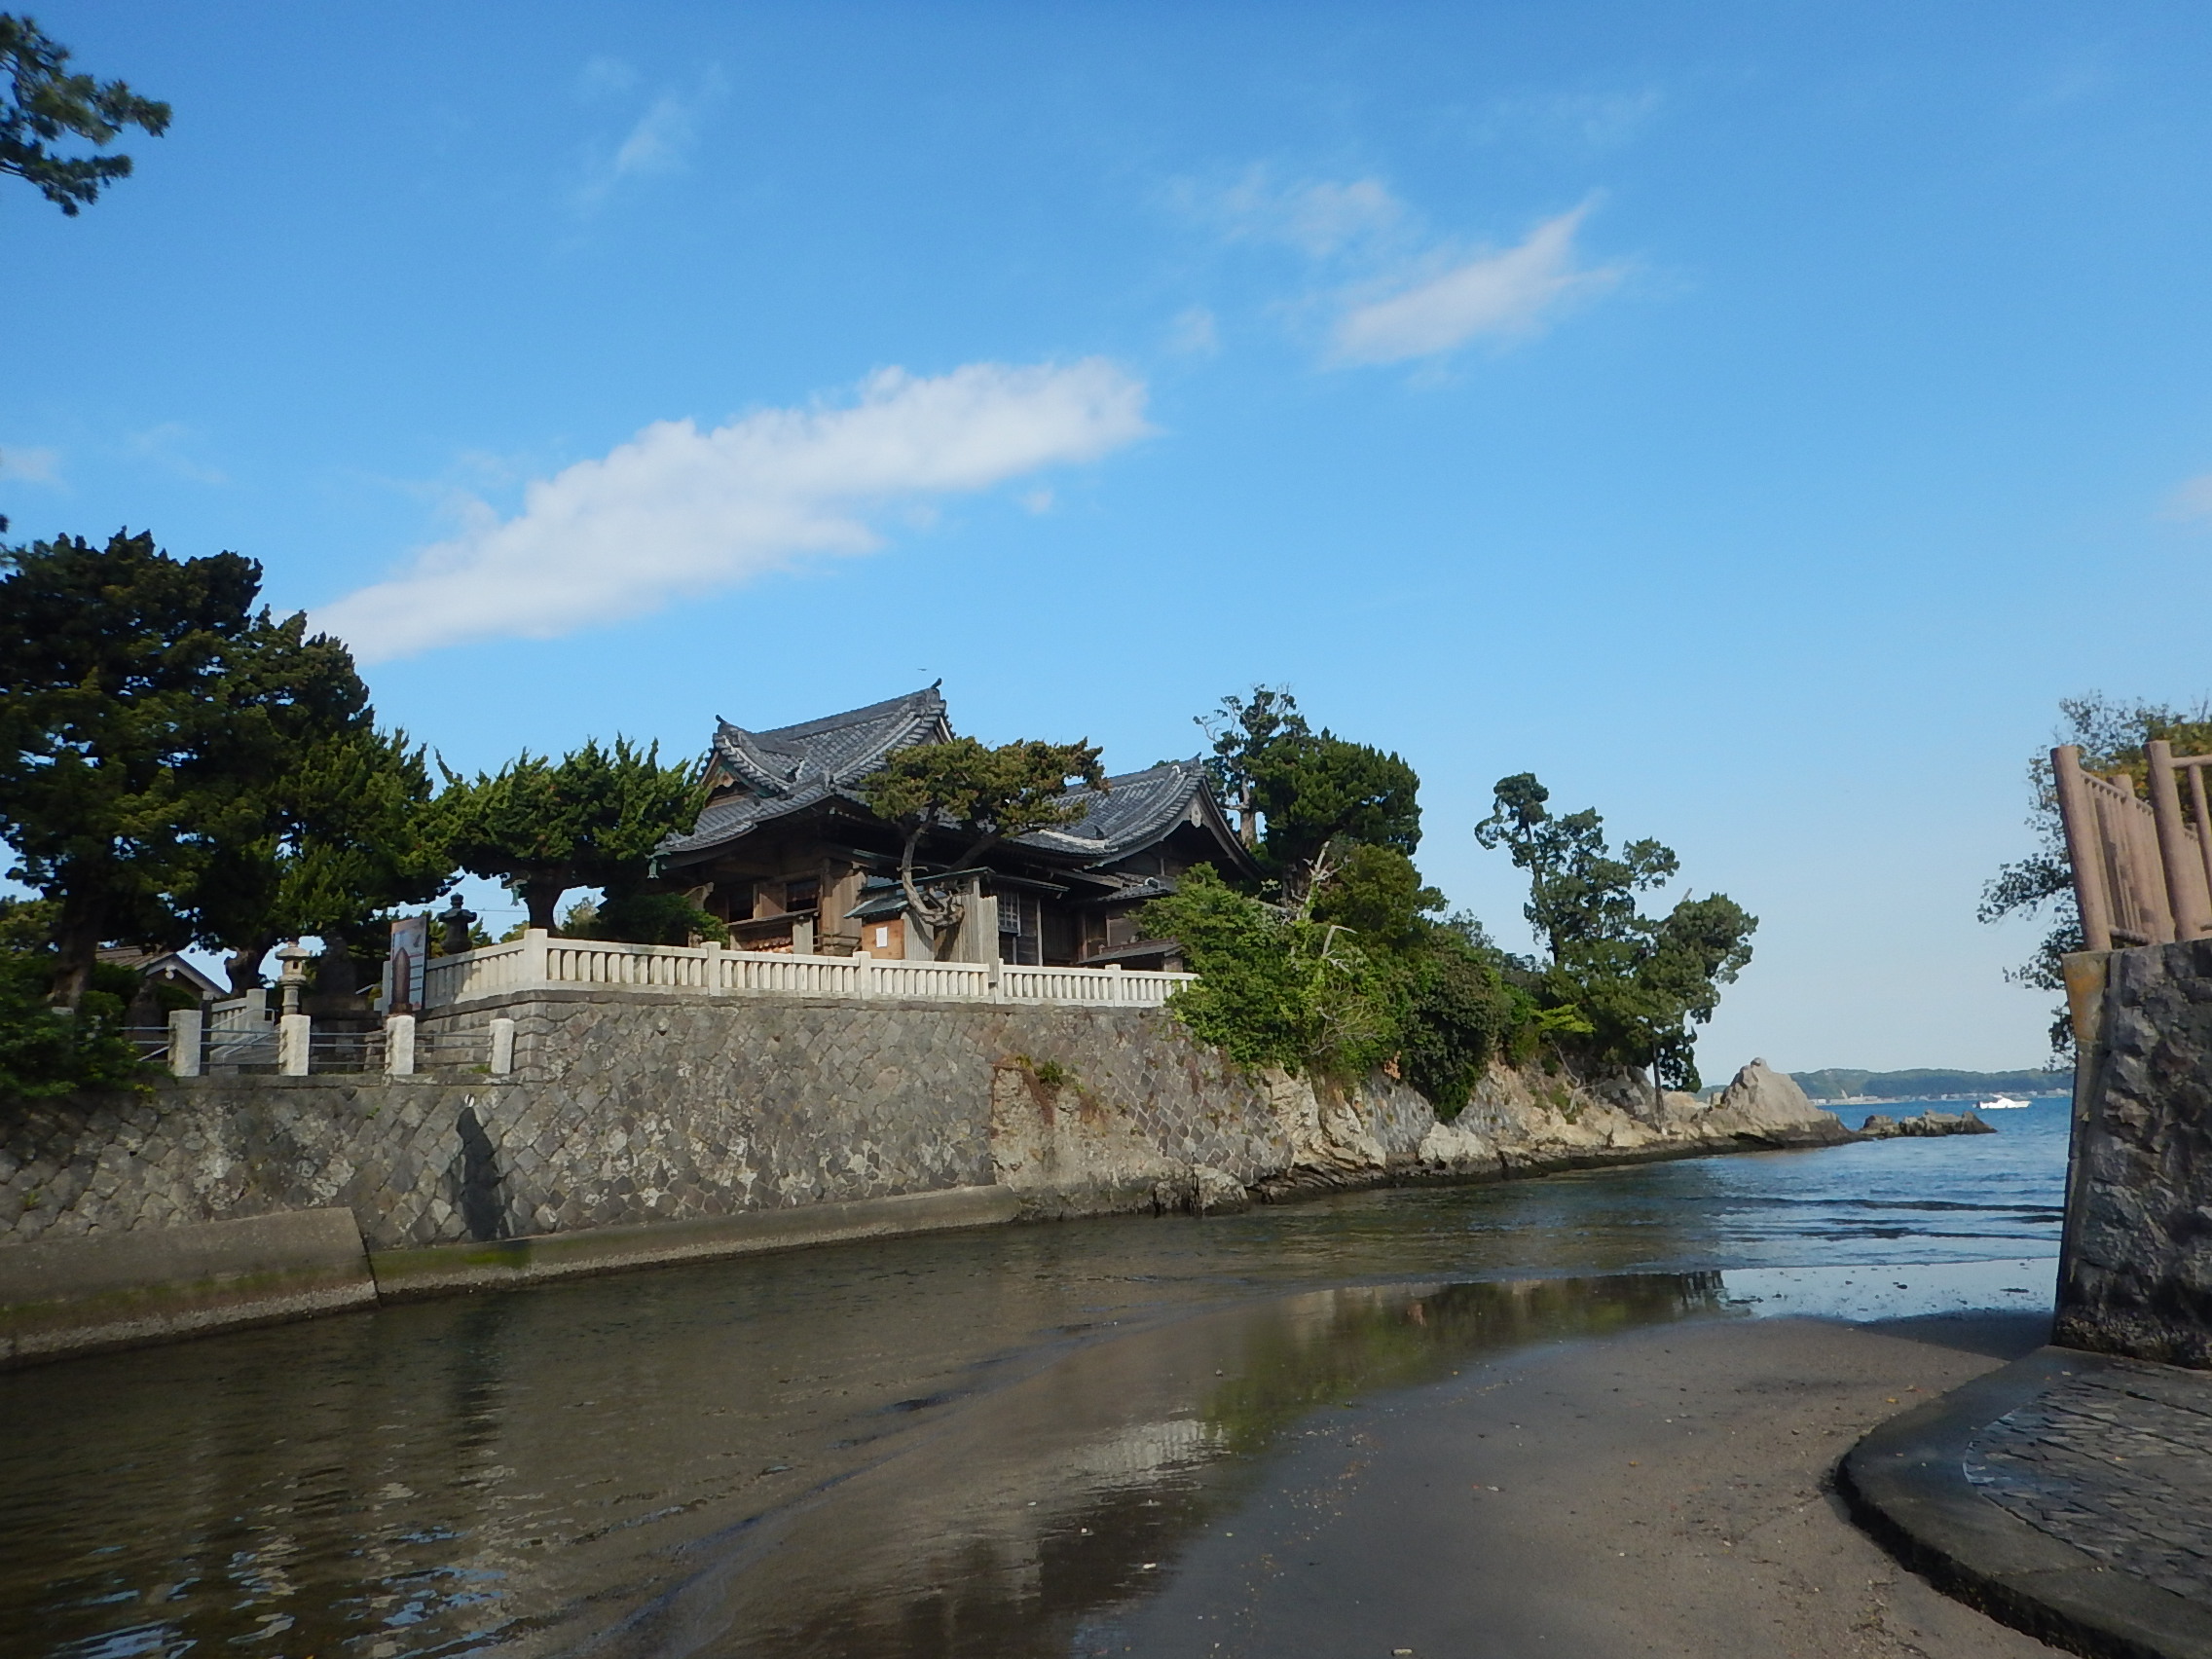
(2135, 1271)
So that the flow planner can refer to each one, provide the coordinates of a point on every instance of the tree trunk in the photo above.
(336, 973)
(77, 944)
(541, 896)
(244, 963)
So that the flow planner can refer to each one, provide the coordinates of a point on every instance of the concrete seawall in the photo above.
(648, 1127)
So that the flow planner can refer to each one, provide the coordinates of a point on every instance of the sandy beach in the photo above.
(1663, 1491)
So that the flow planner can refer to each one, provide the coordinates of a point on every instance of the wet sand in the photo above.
(1662, 1491)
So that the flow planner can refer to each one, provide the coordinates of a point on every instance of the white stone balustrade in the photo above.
(539, 962)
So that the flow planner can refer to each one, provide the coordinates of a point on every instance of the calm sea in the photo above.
(963, 1444)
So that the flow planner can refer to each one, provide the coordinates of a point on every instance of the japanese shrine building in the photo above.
(788, 855)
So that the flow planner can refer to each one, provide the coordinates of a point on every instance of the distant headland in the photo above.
(1841, 1082)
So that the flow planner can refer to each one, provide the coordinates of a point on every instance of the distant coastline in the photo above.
(1841, 1086)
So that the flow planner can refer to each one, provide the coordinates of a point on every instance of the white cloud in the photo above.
(676, 511)
(1498, 294)
(27, 463)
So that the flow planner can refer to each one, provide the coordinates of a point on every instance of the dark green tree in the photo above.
(353, 833)
(1242, 730)
(149, 715)
(1320, 795)
(46, 1051)
(980, 796)
(1639, 983)
(591, 819)
(41, 105)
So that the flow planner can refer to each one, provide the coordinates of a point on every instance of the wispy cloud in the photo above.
(660, 141)
(1500, 294)
(1385, 286)
(677, 510)
(166, 444)
(27, 463)
(1193, 333)
(2191, 500)
(1320, 217)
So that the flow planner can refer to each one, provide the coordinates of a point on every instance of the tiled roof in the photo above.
(1131, 813)
(796, 766)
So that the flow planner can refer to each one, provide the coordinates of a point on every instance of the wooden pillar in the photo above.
(2082, 849)
(2179, 858)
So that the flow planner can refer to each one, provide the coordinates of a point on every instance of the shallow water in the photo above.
(969, 1442)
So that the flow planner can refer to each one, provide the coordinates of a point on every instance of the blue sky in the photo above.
(1751, 418)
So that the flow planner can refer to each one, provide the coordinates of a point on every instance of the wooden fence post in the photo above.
(2082, 849)
(2181, 864)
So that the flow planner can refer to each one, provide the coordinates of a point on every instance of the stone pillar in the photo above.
(399, 1045)
(802, 937)
(293, 1031)
(502, 1046)
(533, 963)
(184, 1041)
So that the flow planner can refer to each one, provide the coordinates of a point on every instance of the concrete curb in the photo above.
(70, 1296)
(64, 1296)
(443, 1269)
(1906, 1485)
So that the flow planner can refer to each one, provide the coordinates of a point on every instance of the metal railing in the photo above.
(2142, 870)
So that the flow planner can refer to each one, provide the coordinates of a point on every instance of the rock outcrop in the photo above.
(1766, 1107)
(1881, 1127)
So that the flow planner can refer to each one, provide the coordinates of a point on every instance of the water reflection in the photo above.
(1019, 1524)
(532, 1467)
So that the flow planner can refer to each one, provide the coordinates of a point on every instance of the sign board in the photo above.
(410, 953)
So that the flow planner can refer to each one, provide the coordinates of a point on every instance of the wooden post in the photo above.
(2181, 864)
(2203, 821)
(2083, 850)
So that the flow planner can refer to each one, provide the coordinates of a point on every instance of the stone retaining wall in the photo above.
(636, 1107)
(2135, 1272)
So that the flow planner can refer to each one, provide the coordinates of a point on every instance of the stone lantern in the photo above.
(292, 978)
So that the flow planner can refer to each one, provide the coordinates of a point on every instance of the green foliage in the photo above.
(1378, 894)
(1277, 990)
(1313, 791)
(1461, 1013)
(2114, 737)
(990, 794)
(152, 722)
(985, 794)
(42, 103)
(644, 918)
(591, 819)
(46, 1050)
(1243, 729)
(1316, 790)
(1627, 987)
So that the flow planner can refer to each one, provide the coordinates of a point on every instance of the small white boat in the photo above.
(2002, 1103)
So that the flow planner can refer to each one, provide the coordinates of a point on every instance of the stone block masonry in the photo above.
(2135, 1269)
(643, 1125)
